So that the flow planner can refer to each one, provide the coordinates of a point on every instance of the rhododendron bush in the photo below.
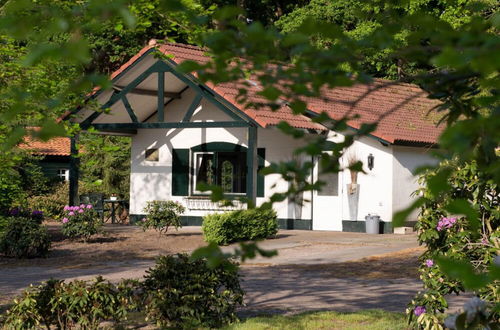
(446, 233)
(81, 221)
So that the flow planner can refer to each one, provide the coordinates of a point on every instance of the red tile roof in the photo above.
(57, 146)
(401, 110)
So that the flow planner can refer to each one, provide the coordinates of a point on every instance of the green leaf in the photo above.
(399, 218)
(463, 207)
(463, 271)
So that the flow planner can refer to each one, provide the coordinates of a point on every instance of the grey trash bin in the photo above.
(372, 224)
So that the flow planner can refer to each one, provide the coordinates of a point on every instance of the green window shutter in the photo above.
(180, 172)
(261, 153)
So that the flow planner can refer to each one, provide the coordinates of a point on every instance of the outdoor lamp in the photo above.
(371, 159)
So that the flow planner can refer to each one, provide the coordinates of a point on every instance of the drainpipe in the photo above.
(312, 192)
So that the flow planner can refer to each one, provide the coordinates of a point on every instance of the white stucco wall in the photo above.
(375, 186)
(383, 190)
(406, 160)
(152, 180)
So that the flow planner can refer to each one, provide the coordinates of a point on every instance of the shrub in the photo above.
(184, 293)
(453, 236)
(81, 222)
(241, 225)
(161, 215)
(51, 204)
(3, 223)
(65, 305)
(35, 215)
(10, 190)
(24, 238)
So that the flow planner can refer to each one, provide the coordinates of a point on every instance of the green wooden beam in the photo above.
(121, 74)
(166, 103)
(158, 66)
(196, 124)
(161, 93)
(192, 108)
(252, 164)
(74, 169)
(208, 94)
(131, 112)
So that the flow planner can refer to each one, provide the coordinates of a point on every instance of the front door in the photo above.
(327, 204)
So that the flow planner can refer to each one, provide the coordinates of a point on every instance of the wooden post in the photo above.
(161, 94)
(252, 167)
(74, 169)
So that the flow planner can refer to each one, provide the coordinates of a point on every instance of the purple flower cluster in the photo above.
(14, 212)
(429, 263)
(27, 213)
(36, 213)
(73, 210)
(446, 223)
(419, 310)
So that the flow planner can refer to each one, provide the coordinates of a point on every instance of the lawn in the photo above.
(373, 319)
(367, 319)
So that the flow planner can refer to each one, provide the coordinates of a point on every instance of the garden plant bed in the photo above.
(117, 243)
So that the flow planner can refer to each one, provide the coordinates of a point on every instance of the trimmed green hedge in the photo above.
(241, 225)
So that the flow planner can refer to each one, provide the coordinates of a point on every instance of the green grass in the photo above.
(365, 320)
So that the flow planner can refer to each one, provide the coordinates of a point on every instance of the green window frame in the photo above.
(184, 167)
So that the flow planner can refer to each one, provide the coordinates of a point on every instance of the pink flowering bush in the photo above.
(80, 221)
(446, 223)
(446, 234)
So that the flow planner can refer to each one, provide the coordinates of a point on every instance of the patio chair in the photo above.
(97, 202)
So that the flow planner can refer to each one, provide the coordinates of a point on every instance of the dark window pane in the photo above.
(231, 171)
(205, 169)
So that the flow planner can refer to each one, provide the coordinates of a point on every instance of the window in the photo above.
(152, 155)
(63, 174)
(225, 169)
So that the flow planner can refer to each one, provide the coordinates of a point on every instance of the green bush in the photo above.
(65, 305)
(241, 225)
(81, 222)
(161, 215)
(53, 203)
(24, 238)
(185, 293)
(3, 223)
(10, 190)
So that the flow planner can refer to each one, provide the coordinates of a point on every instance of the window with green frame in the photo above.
(226, 169)
(218, 163)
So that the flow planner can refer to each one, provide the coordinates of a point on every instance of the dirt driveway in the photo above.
(313, 270)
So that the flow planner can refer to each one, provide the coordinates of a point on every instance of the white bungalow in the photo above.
(185, 132)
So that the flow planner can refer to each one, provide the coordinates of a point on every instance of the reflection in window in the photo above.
(225, 169)
(227, 177)
(204, 169)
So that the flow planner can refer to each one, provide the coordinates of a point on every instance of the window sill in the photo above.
(204, 203)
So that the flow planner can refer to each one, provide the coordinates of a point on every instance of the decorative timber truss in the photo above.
(160, 67)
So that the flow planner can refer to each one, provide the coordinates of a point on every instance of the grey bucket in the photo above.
(372, 223)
